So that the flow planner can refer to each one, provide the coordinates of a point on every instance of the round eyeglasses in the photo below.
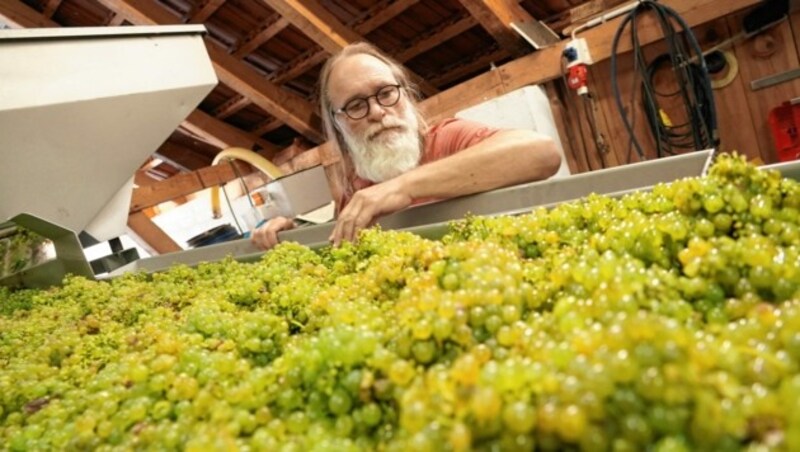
(358, 108)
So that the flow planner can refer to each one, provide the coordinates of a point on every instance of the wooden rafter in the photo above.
(379, 14)
(116, 20)
(204, 12)
(299, 65)
(231, 106)
(290, 108)
(434, 38)
(255, 39)
(151, 234)
(496, 17)
(474, 64)
(182, 157)
(266, 126)
(221, 134)
(50, 8)
(310, 17)
(295, 111)
(269, 28)
(181, 185)
(369, 21)
(141, 12)
(19, 15)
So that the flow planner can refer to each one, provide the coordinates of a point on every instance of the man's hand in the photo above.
(366, 206)
(266, 236)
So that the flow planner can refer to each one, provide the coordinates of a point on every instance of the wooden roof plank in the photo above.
(231, 106)
(266, 126)
(204, 12)
(381, 13)
(295, 111)
(182, 157)
(221, 134)
(141, 12)
(50, 7)
(436, 37)
(151, 234)
(19, 15)
(496, 17)
(469, 66)
(116, 20)
(270, 28)
(319, 24)
(300, 65)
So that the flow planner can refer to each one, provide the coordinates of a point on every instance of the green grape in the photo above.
(661, 320)
(340, 402)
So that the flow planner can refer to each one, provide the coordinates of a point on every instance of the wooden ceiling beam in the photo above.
(50, 8)
(292, 109)
(310, 17)
(158, 240)
(269, 28)
(141, 12)
(17, 14)
(474, 64)
(496, 16)
(436, 37)
(204, 12)
(221, 134)
(545, 65)
(116, 20)
(182, 157)
(267, 31)
(141, 178)
(231, 106)
(185, 184)
(266, 126)
(381, 13)
(299, 65)
(375, 17)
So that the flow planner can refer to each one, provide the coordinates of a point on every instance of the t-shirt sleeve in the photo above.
(454, 135)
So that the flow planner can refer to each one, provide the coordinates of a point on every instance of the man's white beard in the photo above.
(380, 158)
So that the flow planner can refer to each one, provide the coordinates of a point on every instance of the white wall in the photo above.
(525, 108)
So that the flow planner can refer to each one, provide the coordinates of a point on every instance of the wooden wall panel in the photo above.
(742, 113)
(769, 53)
(736, 125)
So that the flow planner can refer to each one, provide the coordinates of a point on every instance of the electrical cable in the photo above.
(693, 81)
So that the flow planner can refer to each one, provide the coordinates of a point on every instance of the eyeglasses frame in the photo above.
(366, 99)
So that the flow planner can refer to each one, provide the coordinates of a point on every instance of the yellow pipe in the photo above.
(248, 156)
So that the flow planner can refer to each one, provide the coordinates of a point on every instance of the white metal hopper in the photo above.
(82, 108)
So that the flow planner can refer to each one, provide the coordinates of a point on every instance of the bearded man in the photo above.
(394, 159)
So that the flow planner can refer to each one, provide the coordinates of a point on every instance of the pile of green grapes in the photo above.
(666, 320)
(20, 249)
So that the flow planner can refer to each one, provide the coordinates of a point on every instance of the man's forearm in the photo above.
(506, 158)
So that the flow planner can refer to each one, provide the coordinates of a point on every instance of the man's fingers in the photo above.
(266, 236)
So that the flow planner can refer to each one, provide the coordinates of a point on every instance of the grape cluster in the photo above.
(665, 320)
(21, 249)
